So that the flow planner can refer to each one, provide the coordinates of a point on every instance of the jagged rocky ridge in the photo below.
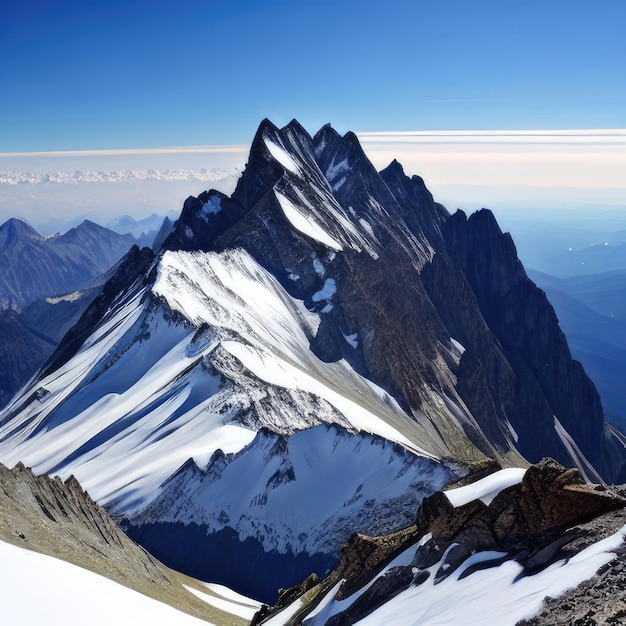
(58, 518)
(528, 531)
(322, 293)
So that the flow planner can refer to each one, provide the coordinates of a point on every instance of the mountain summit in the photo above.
(326, 341)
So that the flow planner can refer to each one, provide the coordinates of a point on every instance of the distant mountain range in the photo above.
(33, 266)
(47, 282)
(307, 358)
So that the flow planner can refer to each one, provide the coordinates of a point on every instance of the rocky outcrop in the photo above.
(59, 518)
(599, 600)
(522, 517)
(551, 515)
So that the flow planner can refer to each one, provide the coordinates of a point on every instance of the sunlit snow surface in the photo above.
(227, 600)
(494, 595)
(487, 488)
(39, 589)
(142, 395)
(304, 223)
(298, 494)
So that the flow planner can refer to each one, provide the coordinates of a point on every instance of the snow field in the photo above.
(487, 488)
(39, 589)
(495, 595)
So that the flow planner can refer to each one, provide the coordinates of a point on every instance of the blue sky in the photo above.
(79, 75)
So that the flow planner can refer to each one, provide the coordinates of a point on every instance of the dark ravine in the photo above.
(245, 566)
(552, 515)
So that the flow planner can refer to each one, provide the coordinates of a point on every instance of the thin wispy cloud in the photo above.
(127, 152)
(467, 169)
(507, 167)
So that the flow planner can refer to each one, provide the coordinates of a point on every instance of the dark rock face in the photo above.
(549, 499)
(547, 383)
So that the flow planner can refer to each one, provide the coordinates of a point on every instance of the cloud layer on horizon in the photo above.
(464, 169)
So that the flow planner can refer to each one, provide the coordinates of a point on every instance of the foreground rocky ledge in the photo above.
(549, 516)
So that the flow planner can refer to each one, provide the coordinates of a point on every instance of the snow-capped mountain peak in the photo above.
(325, 303)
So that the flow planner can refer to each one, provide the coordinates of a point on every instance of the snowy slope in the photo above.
(302, 493)
(496, 594)
(39, 589)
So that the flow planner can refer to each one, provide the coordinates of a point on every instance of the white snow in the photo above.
(227, 600)
(318, 266)
(352, 339)
(70, 297)
(329, 606)
(305, 223)
(285, 615)
(212, 206)
(282, 156)
(494, 595)
(587, 470)
(460, 348)
(335, 170)
(487, 488)
(336, 173)
(259, 492)
(142, 395)
(326, 292)
(39, 589)
(281, 373)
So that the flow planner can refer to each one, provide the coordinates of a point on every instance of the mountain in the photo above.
(45, 285)
(127, 224)
(34, 267)
(46, 525)
(597, 340)
(325, 341)
(29, 337)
